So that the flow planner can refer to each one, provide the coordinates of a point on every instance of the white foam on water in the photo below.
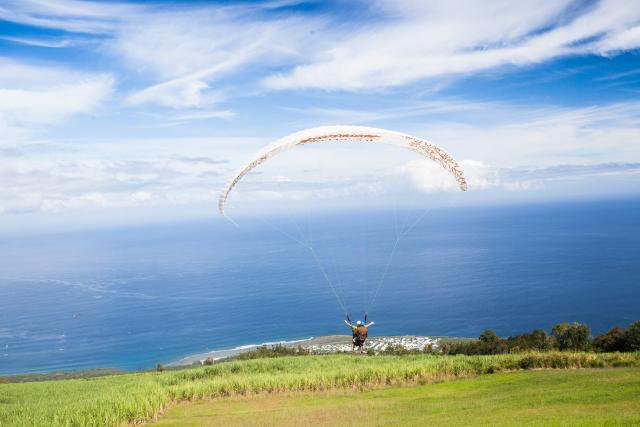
(226, 352)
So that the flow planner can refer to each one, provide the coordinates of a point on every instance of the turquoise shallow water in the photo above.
(130, 298)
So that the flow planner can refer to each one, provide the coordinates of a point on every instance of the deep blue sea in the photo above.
(133, 297)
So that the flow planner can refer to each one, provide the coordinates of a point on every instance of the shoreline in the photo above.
(225, 353)
(320, 345)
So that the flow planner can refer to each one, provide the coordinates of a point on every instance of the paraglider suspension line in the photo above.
(316, 259)
(399, 237)
(326, 277)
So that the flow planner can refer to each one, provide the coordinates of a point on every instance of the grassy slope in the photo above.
(119, 399)
(552, 397)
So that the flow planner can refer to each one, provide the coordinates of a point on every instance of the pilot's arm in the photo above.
(350, 325)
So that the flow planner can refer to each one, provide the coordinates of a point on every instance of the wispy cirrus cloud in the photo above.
(203, 47)
(431, 40)
(177, 52)
(69, 15)
(386, 44)
(41, 42)
(370, 115)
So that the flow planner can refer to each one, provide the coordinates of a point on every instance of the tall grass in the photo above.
(123, 399)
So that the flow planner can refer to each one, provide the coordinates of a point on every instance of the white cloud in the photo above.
(204, 115)
(514, 149)
(191, 58)
(625, 39)
(55, 103)
(544, 136)
(189, 116)
(42, 95)
(413, 109)
(50, 43)
(181, 93)
(68, 15)
(429, 177)
(183, 54)
(177, 51)
(434, 39)
(201, 47)
(62, 177)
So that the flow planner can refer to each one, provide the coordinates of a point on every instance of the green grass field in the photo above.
(122, 399)
(586, 397)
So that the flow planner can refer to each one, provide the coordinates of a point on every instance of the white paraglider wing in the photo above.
(347, 133)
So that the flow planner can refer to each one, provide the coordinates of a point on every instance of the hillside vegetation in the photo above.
(121, 399)
(586, 397)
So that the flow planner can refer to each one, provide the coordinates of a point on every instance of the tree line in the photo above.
(564, 337)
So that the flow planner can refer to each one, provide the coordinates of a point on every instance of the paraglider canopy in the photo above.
(326, 134)
(364, 136)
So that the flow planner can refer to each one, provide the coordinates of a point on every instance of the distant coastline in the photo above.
(230, 352)
(323, 344)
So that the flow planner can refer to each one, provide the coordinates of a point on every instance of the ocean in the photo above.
(132, 297)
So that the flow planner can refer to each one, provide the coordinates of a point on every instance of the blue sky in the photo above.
(123, 111)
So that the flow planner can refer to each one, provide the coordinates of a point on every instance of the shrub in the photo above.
(614, 340)
(571, 336)
(537, 340)
(632, 337)
(467, 347)
(490, 343)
